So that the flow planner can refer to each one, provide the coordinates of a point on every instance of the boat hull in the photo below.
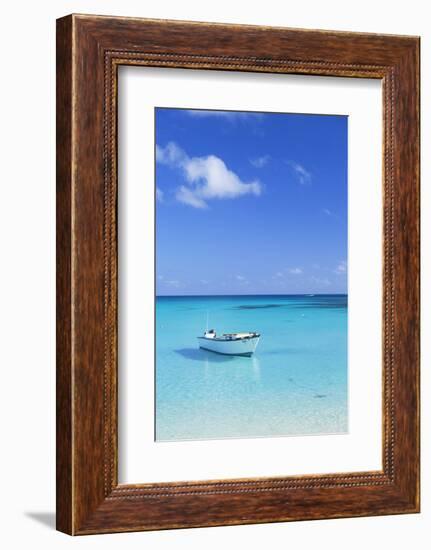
(244, 346)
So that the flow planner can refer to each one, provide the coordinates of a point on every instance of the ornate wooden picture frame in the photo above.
(89, 51)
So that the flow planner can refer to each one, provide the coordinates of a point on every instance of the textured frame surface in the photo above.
(89, 51)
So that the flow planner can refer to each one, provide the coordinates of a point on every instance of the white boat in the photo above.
(237, 343)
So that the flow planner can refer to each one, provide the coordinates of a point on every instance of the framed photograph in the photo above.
(237, 274)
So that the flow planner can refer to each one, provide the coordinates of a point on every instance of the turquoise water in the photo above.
(295, 383)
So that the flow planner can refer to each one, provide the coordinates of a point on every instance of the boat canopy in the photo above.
(240, 334)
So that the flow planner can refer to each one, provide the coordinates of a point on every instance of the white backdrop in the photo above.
(27, 230)
(141, 459)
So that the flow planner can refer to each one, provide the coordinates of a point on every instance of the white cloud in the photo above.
(171, 154)
(295, 270)
(260, 162)
(330, 213)
(227, 115)
(159, 194)
(341, 268)
(242, 280)
(303, 175)
(320, 282)
(173, 283)
(186, 196)
(217, 180)
(207, 177)
(289, 271)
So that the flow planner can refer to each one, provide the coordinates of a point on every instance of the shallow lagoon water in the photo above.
(295, 383)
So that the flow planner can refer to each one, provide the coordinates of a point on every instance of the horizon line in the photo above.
(272, 294)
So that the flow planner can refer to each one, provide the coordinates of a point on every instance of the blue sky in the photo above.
(250, 203)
